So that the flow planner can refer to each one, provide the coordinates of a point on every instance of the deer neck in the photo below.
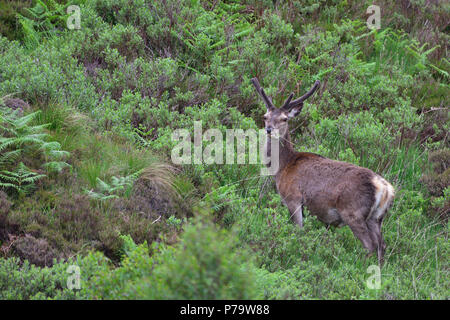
(286, 150)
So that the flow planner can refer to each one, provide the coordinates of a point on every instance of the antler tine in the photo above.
(300, 100)
(288, 101)
(262, 93)
(256, 84)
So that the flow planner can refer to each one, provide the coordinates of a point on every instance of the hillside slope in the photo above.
(87, 116)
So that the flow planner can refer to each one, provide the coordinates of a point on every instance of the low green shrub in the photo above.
(205, 264)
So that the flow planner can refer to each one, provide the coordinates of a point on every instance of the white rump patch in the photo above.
(384, 192)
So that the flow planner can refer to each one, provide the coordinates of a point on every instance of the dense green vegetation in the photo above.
(86, 118)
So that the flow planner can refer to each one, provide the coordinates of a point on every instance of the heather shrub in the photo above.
(438, 178)
(437, 181)
(36, 251)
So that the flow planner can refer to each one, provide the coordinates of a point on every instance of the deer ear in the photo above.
(295, 111)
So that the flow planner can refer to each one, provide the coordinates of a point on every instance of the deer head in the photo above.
(277, 118)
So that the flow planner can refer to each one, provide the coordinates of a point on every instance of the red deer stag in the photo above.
(338, 193)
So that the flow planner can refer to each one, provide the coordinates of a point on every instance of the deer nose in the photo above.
(269, 129)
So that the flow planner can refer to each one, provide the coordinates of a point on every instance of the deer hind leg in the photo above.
(357, 223)
(374, 223)
(383, 200)
(374, 226)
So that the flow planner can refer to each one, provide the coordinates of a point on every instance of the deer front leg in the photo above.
(296, 211)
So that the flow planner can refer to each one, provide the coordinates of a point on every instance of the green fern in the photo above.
(22, 179)
(41, 21)
(119, 186)
(19, 139)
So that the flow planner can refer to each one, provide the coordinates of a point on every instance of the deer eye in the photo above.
(284, 119)
(265, 118)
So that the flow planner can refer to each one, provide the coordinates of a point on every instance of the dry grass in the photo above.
(162, 177)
